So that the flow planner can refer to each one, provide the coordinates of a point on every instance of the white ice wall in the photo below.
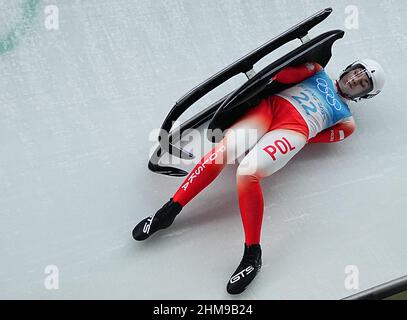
(77, 106)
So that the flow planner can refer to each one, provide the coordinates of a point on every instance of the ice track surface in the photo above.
(77, 106)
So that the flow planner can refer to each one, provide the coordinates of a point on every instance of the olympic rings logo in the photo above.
(329, 94)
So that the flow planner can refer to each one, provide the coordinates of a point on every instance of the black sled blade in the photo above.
(168, 171)
(243, 65)
(195, 122)
(317, 50)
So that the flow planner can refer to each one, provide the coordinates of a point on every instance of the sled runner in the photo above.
(224, 112)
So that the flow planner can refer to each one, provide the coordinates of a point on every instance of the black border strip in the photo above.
(382, 291)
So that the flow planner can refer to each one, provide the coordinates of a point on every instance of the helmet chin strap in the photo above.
(342, 94)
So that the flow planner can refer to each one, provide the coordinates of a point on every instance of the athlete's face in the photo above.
(355, 83)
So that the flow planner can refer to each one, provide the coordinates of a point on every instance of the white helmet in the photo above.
(375, 72)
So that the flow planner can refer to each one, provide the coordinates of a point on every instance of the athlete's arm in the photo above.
(290, 75)
(336, 133)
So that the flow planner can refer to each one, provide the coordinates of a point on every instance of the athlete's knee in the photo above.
(248, 169)
(259, 164)
(244, 179)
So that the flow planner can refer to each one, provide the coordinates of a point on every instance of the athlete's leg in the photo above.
(256, 122)
(270, 154)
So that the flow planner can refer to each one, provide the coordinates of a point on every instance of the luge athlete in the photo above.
(314, 110)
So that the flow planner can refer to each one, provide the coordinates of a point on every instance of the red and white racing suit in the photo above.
(281, 132)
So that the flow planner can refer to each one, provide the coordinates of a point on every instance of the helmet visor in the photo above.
(356, 82)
